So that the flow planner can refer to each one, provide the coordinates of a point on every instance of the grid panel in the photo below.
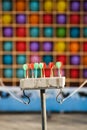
(43, 30)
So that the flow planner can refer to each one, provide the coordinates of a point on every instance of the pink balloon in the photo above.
(35, 58)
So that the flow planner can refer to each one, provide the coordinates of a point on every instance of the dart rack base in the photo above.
(42, 84)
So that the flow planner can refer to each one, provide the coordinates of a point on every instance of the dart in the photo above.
(36, 65)
(31, 67)
(41, 65)
(25, 67)
(58, 65)
(51, 65)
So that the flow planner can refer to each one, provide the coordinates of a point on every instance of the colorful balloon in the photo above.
(8, 73)
(7, 31)
(75, 6)
(7, 59)
(34, 5)
(60, 46)
(34, 46)
(20, 18)
(75, 60)
(6, 19)
(47, 46)
(20, 46)
(7, 46)
(48, 5)
(61, 6)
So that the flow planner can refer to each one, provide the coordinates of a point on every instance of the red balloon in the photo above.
(85, 46)
(20, 46)
(47, 72)
(61, 58)
(47, 19)
(74, 73)
(74, 19)
(21, 32)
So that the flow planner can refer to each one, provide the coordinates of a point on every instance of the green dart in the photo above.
(25, 67)
(36, 66)
(41, 67)
(58, 65)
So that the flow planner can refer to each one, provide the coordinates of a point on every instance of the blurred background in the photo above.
(44, 31)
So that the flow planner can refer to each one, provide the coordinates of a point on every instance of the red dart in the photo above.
(31, 66)
(44, 67)
(51, 64)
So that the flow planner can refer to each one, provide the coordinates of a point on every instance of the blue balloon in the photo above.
(75, 32)
(85, 32)
(20, 73)
(48, 31)
(7, 59)
(7, 46)
(34, 32)
(21, 59)
(34, 5)
(47, 59)
(8, 73)
(6, 5)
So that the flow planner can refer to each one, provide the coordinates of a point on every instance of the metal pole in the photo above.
(43, 110)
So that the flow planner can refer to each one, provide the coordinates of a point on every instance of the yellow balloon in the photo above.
(60, 46)
(48, 5)
(6, 19)
(61, 6)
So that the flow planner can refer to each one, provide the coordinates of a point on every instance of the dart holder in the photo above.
(42, 84)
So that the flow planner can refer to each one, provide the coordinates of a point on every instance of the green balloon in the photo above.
(61, 32)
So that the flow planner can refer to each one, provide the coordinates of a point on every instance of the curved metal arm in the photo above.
(64, 99)
(5, 89)
(60, 94)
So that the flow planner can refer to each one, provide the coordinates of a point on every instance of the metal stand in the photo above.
(43, 109)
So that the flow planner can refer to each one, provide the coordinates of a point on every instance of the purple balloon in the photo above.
(85, 5)
(34, 46)
(85, 19)
(75, 60)
(85, 73)
(75, 6)
(21, 18)
(7, 31)
(47, 46)
(61, 19)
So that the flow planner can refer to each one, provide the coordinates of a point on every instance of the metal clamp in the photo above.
(28, 97)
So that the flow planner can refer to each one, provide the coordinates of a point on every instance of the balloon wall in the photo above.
(43, 31)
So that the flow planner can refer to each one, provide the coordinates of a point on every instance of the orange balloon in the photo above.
(21, 5)
(74, 46)
(34, 19)
(85, 60)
